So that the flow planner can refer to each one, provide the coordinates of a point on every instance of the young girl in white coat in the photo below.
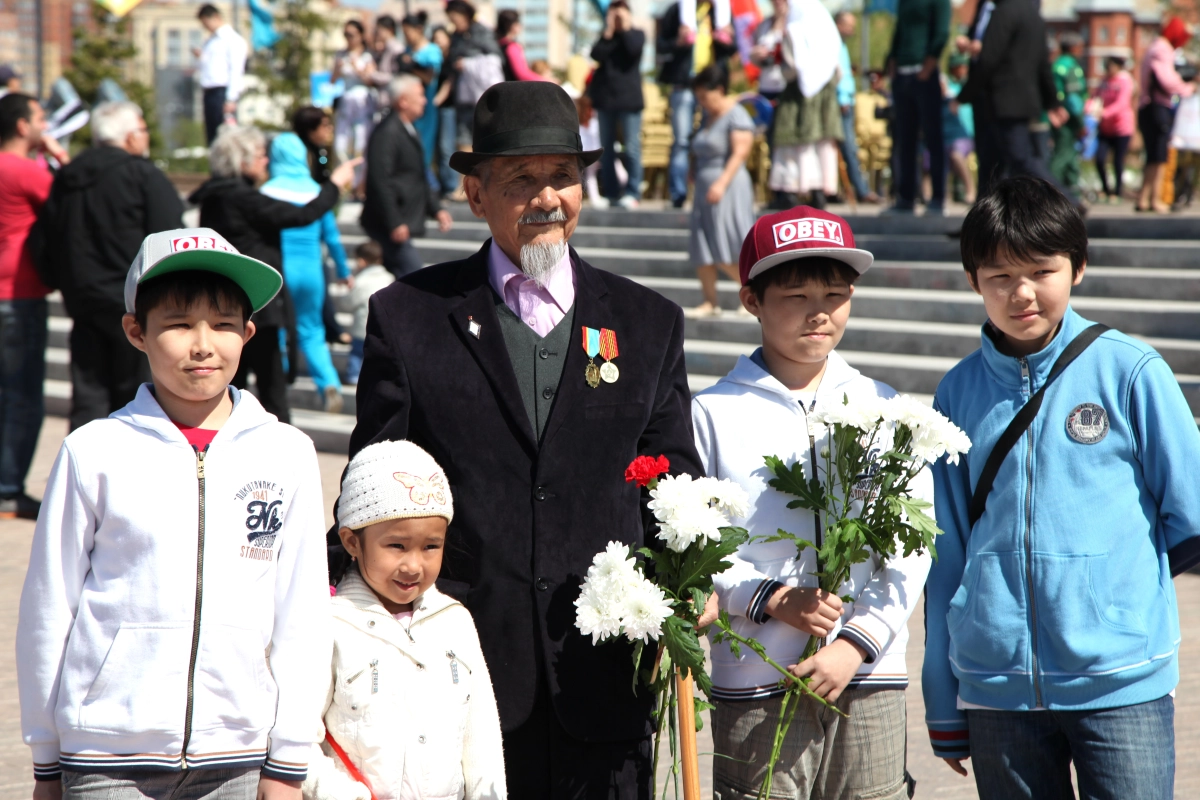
(409, 713)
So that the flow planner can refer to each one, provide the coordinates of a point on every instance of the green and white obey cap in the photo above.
(205, 250)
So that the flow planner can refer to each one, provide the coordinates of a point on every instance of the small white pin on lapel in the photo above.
(473, 327)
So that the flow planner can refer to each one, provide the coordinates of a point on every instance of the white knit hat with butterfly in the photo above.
(393, 480)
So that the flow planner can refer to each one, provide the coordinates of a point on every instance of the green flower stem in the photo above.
(663, 710)
(800, 684)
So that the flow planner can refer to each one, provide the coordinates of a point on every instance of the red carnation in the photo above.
(645, 469)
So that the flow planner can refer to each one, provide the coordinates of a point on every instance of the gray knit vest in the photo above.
(537, 361)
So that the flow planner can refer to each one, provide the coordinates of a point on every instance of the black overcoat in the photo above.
(529, 517)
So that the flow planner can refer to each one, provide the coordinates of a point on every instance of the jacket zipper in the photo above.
(191, 684)
(1037, 688)
(812, 457)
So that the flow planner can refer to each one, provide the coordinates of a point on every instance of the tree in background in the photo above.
(283, 70)
(105, 51)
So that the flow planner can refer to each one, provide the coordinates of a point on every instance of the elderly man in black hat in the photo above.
(534, 379)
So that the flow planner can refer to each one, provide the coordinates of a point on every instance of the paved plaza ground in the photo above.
(934, 779)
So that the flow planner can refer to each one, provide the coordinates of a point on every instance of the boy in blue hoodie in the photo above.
(1052, 627)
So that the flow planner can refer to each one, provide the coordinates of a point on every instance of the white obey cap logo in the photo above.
(182, 243)
(203, 250)
(821, 230)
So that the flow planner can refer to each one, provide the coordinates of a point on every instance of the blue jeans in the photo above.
(1119, 753)
(354, 361)
(849, 148)
(22, 373)
(630, 125)
(918, 107)
(683, 120)
(447, 144)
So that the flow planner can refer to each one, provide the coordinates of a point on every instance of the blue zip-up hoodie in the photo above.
(1061, 595)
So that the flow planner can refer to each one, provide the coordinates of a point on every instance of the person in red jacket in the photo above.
(24, 187)
(508, 32)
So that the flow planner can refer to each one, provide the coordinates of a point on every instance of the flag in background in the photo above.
(262, 25)
(119, 8)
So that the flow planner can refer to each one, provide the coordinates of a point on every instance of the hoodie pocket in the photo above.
(142, 685)
(987, 619)
(1084, 629)
(233, 684)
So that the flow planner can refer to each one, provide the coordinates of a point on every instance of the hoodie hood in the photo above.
(291, 179)
(90, 166)
(752, 371)
(145, 412)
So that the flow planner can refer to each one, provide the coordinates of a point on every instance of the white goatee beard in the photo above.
(540, 260)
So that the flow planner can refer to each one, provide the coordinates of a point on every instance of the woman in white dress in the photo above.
(355, 67)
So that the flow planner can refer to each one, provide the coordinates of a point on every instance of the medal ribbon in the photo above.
(591, 341)
(608, 344)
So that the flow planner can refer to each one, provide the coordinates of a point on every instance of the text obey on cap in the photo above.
(199, 243)
(807, 230)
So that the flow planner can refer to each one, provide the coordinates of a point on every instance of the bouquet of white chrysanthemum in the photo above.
(861, 493)
(658, 600)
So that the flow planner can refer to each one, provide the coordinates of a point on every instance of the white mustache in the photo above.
(540, 217)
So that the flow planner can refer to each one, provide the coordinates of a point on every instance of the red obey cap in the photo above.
(800, 232)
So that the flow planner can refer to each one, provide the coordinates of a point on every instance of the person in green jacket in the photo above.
(1071, 85)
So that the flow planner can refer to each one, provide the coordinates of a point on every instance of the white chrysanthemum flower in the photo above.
(646, 608)
(731, 498)
(933, 434)
(613, 564)
(599, 614)
(690, 510)
(699, 522)
(864, 413)
(824, 451)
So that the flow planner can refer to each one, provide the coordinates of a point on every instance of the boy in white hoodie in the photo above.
(409, 709)
(798, 269)
(173, 633)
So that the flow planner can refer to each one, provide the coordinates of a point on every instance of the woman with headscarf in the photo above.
(808, 119)
(424, 59)
(1159, 82)
(303, 264)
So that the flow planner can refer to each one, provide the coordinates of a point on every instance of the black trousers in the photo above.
(1119, 147)
(106, 370)
(262, 357)
(214, 111)
(1005, 148)
(544, 762)
(918, 107)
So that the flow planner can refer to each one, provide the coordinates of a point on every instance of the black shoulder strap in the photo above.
(1024, 418)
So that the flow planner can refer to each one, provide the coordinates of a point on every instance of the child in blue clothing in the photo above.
(1052, 627)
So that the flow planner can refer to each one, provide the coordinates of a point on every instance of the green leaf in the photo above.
(638, 647)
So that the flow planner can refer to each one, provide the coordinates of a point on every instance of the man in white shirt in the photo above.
(221, 69)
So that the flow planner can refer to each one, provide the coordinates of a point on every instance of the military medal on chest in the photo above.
(603, 343)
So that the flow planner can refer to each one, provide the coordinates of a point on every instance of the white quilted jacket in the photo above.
(413, 710)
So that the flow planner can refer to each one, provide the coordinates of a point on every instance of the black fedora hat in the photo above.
(523, 118)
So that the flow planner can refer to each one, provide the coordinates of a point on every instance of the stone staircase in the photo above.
(914, 314)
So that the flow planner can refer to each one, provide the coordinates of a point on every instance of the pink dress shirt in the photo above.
(1160, 59)
(1117, 95)
(541, 308)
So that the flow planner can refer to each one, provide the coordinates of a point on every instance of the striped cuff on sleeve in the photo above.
(756, 612)
(47, 772)
(950, 744)
(284, 770)
(855, 634)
